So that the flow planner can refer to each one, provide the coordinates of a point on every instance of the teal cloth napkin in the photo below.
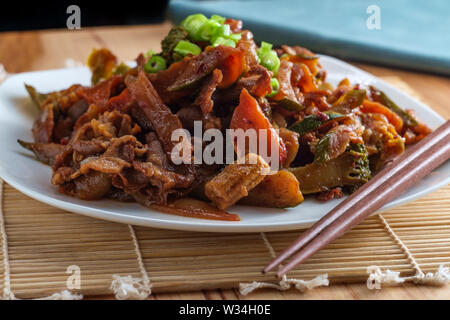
(414, 34)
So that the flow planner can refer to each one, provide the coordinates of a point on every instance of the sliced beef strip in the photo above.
(204, 100)
(248, 46)
(163, 121)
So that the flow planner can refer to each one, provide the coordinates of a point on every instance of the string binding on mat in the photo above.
(132, 288)
(285, 283)
(127, 287)
(377, 277)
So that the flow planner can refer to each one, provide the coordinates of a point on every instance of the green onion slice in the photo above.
(268, 57)
(223, 41)
(218, 18)
(155, 64)
(275, 87)
(184, 48)
(193, 23)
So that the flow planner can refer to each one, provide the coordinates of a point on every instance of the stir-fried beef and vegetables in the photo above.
(114, 139)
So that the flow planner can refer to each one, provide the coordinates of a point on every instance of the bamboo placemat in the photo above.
(43, 242)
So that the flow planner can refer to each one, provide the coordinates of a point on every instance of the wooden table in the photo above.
(39, 50)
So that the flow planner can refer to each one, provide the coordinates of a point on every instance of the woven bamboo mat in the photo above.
(43, 241)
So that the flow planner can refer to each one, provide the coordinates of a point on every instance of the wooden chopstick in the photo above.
(394, 179)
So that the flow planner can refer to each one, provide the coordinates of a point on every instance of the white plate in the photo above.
(23, 172)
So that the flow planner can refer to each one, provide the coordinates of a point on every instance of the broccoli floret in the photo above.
(360, 172)
(349, 170)
(175, 35)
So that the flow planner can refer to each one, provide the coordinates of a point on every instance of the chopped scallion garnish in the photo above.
(218, 18)
(184, 48)
(223, 41)
(155, 64)
(213, 30)
(192, 24)
(235, 37)
(268, 57)
(222, 31)
(275, 87)
(208, 30)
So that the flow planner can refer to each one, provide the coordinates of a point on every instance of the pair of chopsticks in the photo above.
(393, 180)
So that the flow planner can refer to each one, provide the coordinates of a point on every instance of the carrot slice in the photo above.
(248, 115)
(310, 61)
(232, 68)
(307, 81)
(376, 107)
